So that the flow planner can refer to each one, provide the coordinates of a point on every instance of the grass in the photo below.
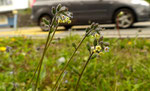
(125, 67)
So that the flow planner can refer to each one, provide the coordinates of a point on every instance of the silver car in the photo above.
(122, 12)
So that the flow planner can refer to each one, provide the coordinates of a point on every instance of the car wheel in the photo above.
(124, 18)
(43, 26)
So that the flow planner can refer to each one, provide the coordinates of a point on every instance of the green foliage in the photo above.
(148, 1)
(125, 67)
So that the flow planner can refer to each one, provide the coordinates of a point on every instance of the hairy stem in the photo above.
(70, 60)
(52, 36)
(83, 71)
(45, 49)
(48, 37)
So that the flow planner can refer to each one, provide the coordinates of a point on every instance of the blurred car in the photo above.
(101, 11)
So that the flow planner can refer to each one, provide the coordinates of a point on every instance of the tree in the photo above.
(148, 1)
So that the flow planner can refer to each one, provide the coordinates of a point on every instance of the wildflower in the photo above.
(24, 37)
(69, 21)
(11, 72)
(106, 49)
(66, 81)
(3, 49)
(61, 60)
(101, 53)
(129, 43)
(63, 16)
(121, 13)
(98, 48)
(1, 39)
(92, 47)
(60, 21)
(96, 35)
(67, 18)
(63, 21)
(94, 51)
(8, 49)
(12, 39)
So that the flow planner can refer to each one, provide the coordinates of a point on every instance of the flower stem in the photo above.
(83, 71)
(52, 37)
(48, 37)
(45, 49)
(70, 60)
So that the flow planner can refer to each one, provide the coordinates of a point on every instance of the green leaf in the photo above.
(46, 21)
(74, 69)
(88, 47)
(43, 73)
(74, 45)
(58, 7)
(53, 10)
(95, 42)
(55, 23)
(29, 89)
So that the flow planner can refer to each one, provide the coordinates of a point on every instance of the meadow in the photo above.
(126, 67)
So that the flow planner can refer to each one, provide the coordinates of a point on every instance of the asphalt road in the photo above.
(141, 29)
(109, 32)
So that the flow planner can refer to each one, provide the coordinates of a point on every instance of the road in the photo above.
(109, 32)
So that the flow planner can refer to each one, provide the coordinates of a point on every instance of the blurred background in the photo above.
(16, 15)
(6, 11)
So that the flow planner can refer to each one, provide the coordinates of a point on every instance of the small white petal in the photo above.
(61, 60)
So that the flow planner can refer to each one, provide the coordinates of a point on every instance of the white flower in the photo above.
(66, 81)
(92, 48)
(61, 60)
(11, 72)
(106, 49)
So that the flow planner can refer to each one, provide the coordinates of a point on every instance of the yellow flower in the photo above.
(97, 36)
(1, 39)
(69, 21)
(101, 53)
(3, 49)
(94, 51)
(12, 39)
(121, 13)
(67, 18)
(129, 43)
(98, 48)
(59, 21)
(63, 21)
(24, 37)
